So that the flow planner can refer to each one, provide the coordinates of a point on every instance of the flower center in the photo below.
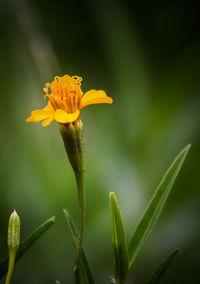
(66, 93)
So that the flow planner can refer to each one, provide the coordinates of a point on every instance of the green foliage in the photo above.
(27, 243)
(84, 262)
(160, 271)
(118, 241)
(155, 207)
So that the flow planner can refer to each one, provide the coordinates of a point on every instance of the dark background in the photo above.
(145, 55)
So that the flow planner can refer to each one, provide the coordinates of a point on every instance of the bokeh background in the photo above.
(145, 55)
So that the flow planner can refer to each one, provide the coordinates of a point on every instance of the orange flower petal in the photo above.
(93, 94)
(95, 97)
(41, 114)
(38, 115)
(30, 119)
(64, 117)
(47, 121)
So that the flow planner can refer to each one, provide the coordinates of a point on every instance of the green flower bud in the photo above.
(13, 242)
(14, 231)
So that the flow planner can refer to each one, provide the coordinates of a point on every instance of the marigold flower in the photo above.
(66, 99)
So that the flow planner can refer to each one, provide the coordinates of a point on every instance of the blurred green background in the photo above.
(145, 55)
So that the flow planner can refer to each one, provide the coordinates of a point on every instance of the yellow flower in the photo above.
(66, 99)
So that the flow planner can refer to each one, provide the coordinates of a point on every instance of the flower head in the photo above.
(66, 99)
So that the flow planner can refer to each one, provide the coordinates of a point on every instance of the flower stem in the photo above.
(81, 214)
(10, 267)
(72, 134)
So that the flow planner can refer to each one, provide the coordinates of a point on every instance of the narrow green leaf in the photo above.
(160, 271)
(155, 206)
(84, 262)
(27, 243)
(118, 240)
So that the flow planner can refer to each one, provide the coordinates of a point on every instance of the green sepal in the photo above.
(160, 271)
(72, 134)
(84, 262)
(155, 206)
(27, 243)
(118, 241)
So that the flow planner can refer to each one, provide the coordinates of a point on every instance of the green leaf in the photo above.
(155, 206)
(160, 271)
(84, 262)
(27, 243)
(118, 240)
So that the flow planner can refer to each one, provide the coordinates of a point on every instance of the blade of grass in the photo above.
(27, 243)
(160, 271)
(118, 240)
(155, 206)
(84, 262)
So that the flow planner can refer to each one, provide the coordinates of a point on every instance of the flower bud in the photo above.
(14, 231)
(13, 242)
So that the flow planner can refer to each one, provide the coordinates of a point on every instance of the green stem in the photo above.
(81, 214)
(72, 134)
(11, 264)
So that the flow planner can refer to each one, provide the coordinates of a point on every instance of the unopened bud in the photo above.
(13, 242)
(14, 231)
